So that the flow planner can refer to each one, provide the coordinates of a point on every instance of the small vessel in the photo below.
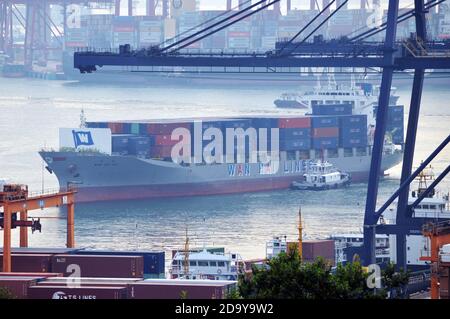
(291, 101)
(205, 265)
(434, 207)
(322, 175)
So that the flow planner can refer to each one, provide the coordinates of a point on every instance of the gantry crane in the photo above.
(417, 54)
(439, 235)
(16, 199)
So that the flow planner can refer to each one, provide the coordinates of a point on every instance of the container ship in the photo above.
(133, 159)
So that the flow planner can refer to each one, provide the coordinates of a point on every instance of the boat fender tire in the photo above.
(219, 271)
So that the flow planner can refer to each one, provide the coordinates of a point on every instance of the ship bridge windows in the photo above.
(348, 152)
(303, 155)
(361, 151)
(213, 264)
(318, 153)
(332, 153)
(202, 263)
(290, 155)
(192, 263)
(221, 264)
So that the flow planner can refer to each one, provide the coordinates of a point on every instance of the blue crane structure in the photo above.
(416, 54)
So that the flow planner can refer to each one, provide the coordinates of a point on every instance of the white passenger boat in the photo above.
(322, 175)
(205, 265)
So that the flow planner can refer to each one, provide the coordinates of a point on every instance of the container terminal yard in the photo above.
(154, 163)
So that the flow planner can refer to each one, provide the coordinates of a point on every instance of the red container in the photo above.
(40, 250)
(311, 249)
(319, 248)
(89, 282)
(79, 293)
(294, 122)
(165, 128)
(326, 132)
(161, 151)
(17, 286)
(164, 140)
(31, 274)
(116, 128)
(100, 265)
(174, 290)
(29, 263)
(444, 282)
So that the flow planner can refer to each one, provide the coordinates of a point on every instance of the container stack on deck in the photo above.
(329, 127)
(395, 123)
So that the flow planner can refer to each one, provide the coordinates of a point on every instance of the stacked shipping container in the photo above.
(353, 131)
(295, 133)
(330, 127)
(28, 261)
(395, 123)
(325, 132)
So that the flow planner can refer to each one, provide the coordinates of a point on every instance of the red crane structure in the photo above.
(15, 199)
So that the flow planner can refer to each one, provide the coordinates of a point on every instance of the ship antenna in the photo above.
(300, 234)
(186, 255)
(82, 119)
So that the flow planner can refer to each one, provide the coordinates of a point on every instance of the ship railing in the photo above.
(50, 191)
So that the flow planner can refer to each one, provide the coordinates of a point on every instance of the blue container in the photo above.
(126, 128)
(324, 121)
(295, 133)
(97, 124)
(119, 143)
(366, 87)
(396, 109)
(325, 142)
(395, 120)
(209, 124)
(143, 129)
(295, 144)
(353, 121)
(237, 123)
(139, 145)
(264, 122)
(153, 260)
(332, 109)
(395, 126)
(354, 142)
(398, 136)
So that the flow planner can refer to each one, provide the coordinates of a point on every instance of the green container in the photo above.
(135, 128)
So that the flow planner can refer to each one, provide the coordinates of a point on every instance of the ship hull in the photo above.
(108, 178)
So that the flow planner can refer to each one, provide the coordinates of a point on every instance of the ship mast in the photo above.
(186, 255)
(300, 234)
(82, 119)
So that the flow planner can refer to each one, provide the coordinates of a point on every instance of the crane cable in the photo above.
(204, 23)
(216, 24)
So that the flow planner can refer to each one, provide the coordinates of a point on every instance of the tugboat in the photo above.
(322, 175)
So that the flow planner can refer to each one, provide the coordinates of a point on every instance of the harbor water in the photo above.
(33, 110)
